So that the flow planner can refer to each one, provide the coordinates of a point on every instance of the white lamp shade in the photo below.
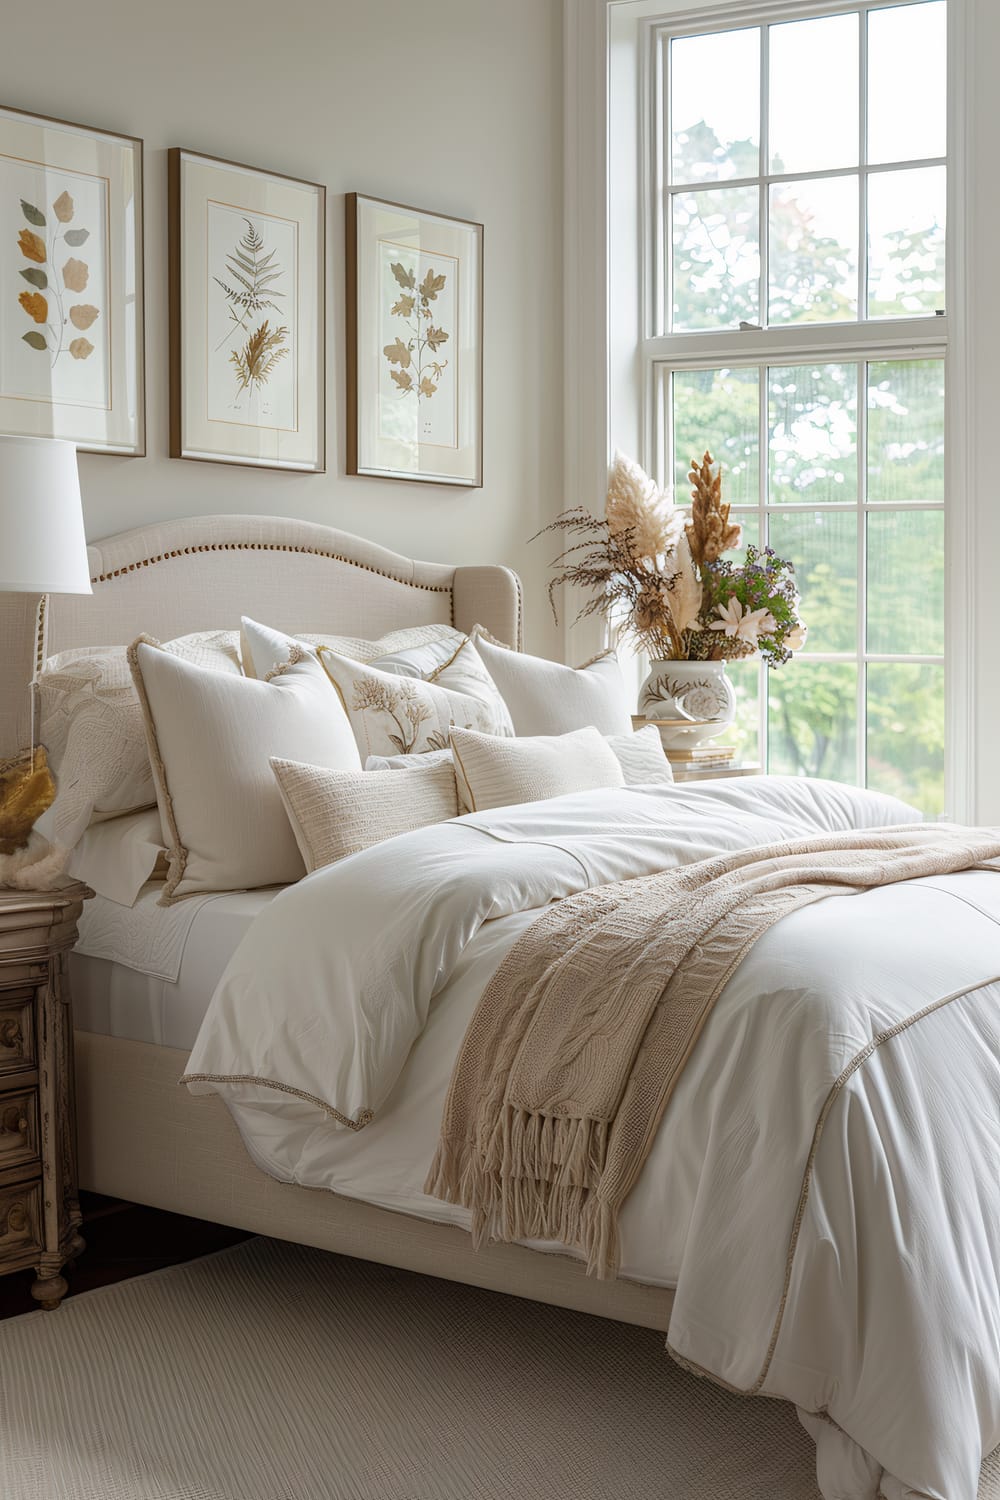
(43, 549)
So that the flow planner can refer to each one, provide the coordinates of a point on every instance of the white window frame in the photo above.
(610, 397)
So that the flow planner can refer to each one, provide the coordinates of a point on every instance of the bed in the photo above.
(144, 1138)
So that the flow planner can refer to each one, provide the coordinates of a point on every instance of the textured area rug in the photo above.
(273, 1372)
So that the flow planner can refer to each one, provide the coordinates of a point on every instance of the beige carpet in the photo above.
(272, 1372)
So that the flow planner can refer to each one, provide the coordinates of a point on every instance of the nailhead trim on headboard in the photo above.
(148, 562)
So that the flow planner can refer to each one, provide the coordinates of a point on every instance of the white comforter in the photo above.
(823, 1191)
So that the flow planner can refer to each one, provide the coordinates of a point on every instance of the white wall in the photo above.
(451, 105)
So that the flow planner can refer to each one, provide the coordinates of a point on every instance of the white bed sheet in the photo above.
(120, 975)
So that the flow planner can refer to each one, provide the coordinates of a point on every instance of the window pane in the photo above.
(823, 548)
(718, 410)
(812, 720)
(812, 424)
(907, 51)
(906, 216)
(716, 258)
(905, 750)
(813, 94)
(749, 524)
(715, 132)
(745, 730)
(813, 254)
(906, 583)
(906, 430)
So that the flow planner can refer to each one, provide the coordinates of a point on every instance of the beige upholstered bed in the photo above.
(142, 1137)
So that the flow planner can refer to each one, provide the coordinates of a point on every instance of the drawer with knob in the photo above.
(19, 1129)
(20, 1221)
(17, 1032)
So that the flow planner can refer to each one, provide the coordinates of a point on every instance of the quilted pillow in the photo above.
(92, 727)
(545, 697)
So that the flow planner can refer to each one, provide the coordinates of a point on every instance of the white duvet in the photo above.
(823, 1190)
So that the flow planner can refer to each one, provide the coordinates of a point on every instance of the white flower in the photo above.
(730, 617)
(796, 637)
(743, 625)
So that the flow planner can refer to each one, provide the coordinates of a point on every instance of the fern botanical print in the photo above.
(53, 300)
(254, 285)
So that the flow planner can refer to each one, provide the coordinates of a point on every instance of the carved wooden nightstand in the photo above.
(39, 1209)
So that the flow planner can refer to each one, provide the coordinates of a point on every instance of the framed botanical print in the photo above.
(247, 315)
(71, 294)
(414, 344)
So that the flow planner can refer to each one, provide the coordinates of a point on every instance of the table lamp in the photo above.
(43, 550)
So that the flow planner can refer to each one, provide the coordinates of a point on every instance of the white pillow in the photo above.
(410, 762)
(448, 659)
(210, 741)
(116, 857)
(393, 715)
(496, 772)
(544, 697)
(336, 813)
(92, 727)
(641, 757)
(262, 651)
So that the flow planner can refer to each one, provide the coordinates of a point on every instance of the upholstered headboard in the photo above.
(202, 573)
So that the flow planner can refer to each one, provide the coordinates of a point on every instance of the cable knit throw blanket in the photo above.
(580, 1037)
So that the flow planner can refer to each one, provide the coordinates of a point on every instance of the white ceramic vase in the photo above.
(698, 692)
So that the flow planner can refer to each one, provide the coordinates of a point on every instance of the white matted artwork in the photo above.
(71, 298)
(248, 321)
(414, 377)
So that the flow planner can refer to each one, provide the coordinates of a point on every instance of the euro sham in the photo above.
(210, 741)
(545, 697)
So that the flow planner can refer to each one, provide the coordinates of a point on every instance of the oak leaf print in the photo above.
(35, 306)
(398, 354)
(76, 274)
(402, 379)
(31, 245)
(82, 314)
(403, 276)
(427, 386)
(81, 348)
(435, 338)
(431, 285)
(403, 307)
(63, 208)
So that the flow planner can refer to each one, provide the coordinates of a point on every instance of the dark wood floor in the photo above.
(123, 1239)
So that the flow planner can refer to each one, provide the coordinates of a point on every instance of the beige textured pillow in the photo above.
(545, 697)
(91, 725)
(393, 715)
(495, 772)
(336, 813)
(210, 742)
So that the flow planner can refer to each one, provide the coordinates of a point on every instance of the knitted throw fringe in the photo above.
(579, 1039)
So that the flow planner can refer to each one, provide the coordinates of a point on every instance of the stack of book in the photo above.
(708, 757)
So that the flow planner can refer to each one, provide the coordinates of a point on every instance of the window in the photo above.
(798, 332)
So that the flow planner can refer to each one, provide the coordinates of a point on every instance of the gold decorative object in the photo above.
(26, 790)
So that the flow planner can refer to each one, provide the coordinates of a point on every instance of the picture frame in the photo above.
(414, 344)
(247, 273)
(72, 326)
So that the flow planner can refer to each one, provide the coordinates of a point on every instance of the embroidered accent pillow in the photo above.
(495, 772)
(424, 647)
(337, 813)
(545, 697)
(210, 741)
(92, 727)
(393, 715)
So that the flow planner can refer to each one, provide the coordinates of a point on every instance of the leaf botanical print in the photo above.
(31, 246)
(249, 287)
(413, 306)
(48, 311)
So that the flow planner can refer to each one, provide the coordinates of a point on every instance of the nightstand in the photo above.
(39, 1209)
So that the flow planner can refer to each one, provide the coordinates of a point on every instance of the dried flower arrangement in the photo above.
(659, 572)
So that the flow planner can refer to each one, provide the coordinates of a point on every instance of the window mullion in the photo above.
(863, 172)
(763, 531)
(862, 626)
